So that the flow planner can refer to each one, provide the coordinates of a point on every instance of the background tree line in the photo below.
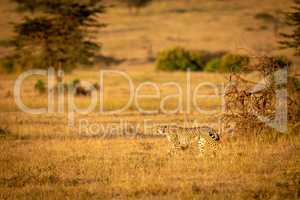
(59, 33)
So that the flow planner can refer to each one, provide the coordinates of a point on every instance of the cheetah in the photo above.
(206, 138)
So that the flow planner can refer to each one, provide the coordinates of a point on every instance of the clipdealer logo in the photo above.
(186, 92)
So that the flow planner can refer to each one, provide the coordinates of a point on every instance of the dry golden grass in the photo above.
(140, 169)
(42, 158)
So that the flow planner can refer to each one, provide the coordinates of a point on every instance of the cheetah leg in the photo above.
(201, 145)
(173, 149)
(174, 144)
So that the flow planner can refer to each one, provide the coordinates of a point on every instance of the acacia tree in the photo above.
(55, 33)
(292, 40)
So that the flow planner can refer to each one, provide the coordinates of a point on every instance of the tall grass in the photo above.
(141, 169)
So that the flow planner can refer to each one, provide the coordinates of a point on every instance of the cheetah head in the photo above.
(214, 136)
(212, 133)
(162, 130)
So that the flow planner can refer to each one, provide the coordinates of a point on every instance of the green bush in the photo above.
(213, 65)
(40, 86)
(8, 64)
(281, 61)
(137, 4)
(209, 56)
(197, 59)
(267, 17)
(227, 63)
(75, 82)
(4, 132)
(233, 63)
(179, 58)
(269, 64)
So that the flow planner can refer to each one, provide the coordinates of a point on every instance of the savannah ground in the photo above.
(42, 158)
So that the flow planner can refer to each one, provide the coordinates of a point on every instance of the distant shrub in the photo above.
(209, 56)
(40, 86)
(213, 65)
(263, 27)
(281, 61)
(4, 132)
(265, 17)
(269, 64)
(233, 63)
(75, 82)
(226, 63)
(137, 4)
(179, 58)
(197, 59)
(8, 64)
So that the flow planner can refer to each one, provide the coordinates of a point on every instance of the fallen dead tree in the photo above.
(252, 107)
